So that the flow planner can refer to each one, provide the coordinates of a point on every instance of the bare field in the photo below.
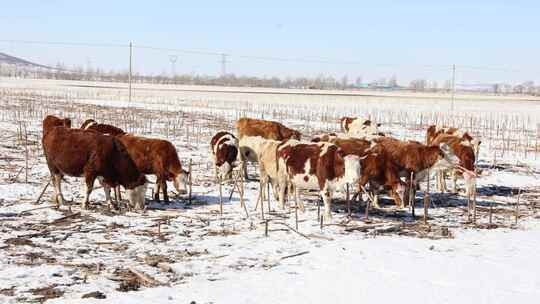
(190, 252)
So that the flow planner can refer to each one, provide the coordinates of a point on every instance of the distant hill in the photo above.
(8, 59)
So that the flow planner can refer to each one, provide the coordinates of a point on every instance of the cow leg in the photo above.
(282, 186)
(107, 190)
(244, 167)
(157, 188)
(454, 180)
(58, 197)
(164, 189)
(117, 193)
(89, 187)
(299, 202)
(264, 185)
(275, 190)
(397, 199)
(438, 183)
(327, 199)
(375, 196)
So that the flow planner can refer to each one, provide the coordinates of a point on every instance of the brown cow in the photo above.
(224, 146)
(417, 158)
(91, 124)
(77, 153)
(157, 157)
(321, 166)
(265, 129)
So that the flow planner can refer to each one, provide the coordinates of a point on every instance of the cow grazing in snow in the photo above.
(321, 166)
(91, 155)
(224, 148)
(263, 128)
(157, 157)
(359, 127)
(106, 129)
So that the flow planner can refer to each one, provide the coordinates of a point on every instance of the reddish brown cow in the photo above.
(414, 157)
(266, 129)
(321, 166)
(157, 157)
(75, 152)
(224, 147)
(91, 124)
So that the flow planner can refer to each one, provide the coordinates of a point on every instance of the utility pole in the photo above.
(453, 85)
(130, 68)
(223, 64)
(173, 59)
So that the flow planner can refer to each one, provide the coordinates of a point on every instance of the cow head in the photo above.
(136, 194)
(128, 175)
(52, 121)
(445, 158)
(180, 181)
(226, 156)
(291, 134)
(400, 190)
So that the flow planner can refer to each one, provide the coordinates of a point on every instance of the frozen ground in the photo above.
(192, 253)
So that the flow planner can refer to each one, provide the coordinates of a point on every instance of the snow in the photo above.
(228, 259)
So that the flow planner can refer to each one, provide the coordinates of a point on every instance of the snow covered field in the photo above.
(191, 252)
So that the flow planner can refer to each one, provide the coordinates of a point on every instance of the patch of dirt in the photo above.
(94, 295)
(47, 293)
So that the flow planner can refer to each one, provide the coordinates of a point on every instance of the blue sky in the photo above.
(489, 41)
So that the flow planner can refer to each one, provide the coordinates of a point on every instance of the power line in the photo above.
(302, 59)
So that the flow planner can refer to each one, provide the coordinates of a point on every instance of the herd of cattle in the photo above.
(360, 156)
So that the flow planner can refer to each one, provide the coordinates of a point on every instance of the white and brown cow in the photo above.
(263, 128)
(377, 168)
(89, 154)
(461, 143)
(464, 151)
(263, 151)
(359, 127)
(434, 131)
(321, 166)
(224, 146)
